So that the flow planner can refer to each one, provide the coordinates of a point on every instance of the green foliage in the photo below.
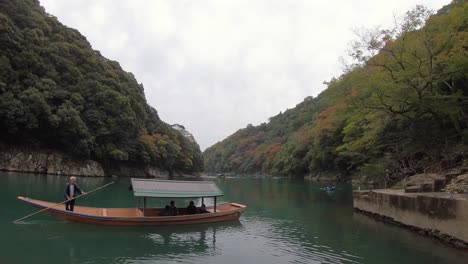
(402, 108)
(119, 155)
(56, 91)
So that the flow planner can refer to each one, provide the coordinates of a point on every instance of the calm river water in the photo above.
(287, 221)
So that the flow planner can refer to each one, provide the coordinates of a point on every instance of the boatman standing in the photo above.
(70, 192)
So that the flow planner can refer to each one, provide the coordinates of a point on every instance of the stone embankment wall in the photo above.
(442, 215)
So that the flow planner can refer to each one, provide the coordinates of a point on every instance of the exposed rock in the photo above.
(413, 189)
(322, 177)
(425, 182)
(47, 161)
(453, 173)
(156, 172)
(22, 159)
(459, 244)
(127, 170)
(420, 178)
(458, 184)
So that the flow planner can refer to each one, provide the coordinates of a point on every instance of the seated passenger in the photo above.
(166, 211)
(191, 209)
(203, 209)
(173, 209)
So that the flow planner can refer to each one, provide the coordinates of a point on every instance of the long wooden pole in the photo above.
(74, 198)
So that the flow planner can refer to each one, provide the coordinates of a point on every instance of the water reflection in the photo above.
(369, 234)
(287, 221)
(81, 243)
(293, 242)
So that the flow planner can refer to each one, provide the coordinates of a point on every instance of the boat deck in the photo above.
(148, 216)
(124, 212)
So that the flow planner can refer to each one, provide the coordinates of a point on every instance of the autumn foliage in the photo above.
(400, 108)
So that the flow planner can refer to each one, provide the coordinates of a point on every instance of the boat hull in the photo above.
(134, 216)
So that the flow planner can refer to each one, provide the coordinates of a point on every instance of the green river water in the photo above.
(287, 221)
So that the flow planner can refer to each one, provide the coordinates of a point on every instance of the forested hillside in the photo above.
(400, 108)
(57, 92)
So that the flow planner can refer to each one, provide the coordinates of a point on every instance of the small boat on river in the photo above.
(329, 189)
(144, 189)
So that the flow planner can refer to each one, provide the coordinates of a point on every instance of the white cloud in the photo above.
(217, 65)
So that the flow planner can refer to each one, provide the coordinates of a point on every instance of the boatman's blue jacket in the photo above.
(76, 190)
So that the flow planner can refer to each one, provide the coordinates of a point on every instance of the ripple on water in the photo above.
(281, 242)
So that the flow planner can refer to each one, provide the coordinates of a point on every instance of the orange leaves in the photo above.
(148, 140)
(244, 143)
(275, 148)
(354, 91)
(330, 117)
(151, 140)
(304, 136)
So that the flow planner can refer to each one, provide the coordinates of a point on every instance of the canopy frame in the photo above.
(152, 188)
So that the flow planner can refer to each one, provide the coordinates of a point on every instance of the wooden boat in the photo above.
(146, 188)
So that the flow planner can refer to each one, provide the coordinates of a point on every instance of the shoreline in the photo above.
(336, 177)
(104, 176)
(55, 162)
(95, 176)
(437, 236)
(442, 216)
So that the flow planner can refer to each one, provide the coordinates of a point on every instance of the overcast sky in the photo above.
(215, 66)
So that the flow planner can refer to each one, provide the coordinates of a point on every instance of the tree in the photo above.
(399, 108)
(57, 92)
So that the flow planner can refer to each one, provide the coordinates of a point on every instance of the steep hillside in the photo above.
(57, 92)
(401, 108)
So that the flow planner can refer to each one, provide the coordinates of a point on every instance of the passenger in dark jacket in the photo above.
(173, 208)
(71, 189)
(191, 209)
(203, 209)
(166, 211)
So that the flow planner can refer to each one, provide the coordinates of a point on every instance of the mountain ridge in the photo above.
(57, 92)
(400, 109)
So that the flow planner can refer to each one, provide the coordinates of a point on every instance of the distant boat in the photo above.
(329, 188)
(142, 216)
(221, 175)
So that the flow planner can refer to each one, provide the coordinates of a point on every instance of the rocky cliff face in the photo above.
(57, 92)
(47, 161)
(56, 162)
